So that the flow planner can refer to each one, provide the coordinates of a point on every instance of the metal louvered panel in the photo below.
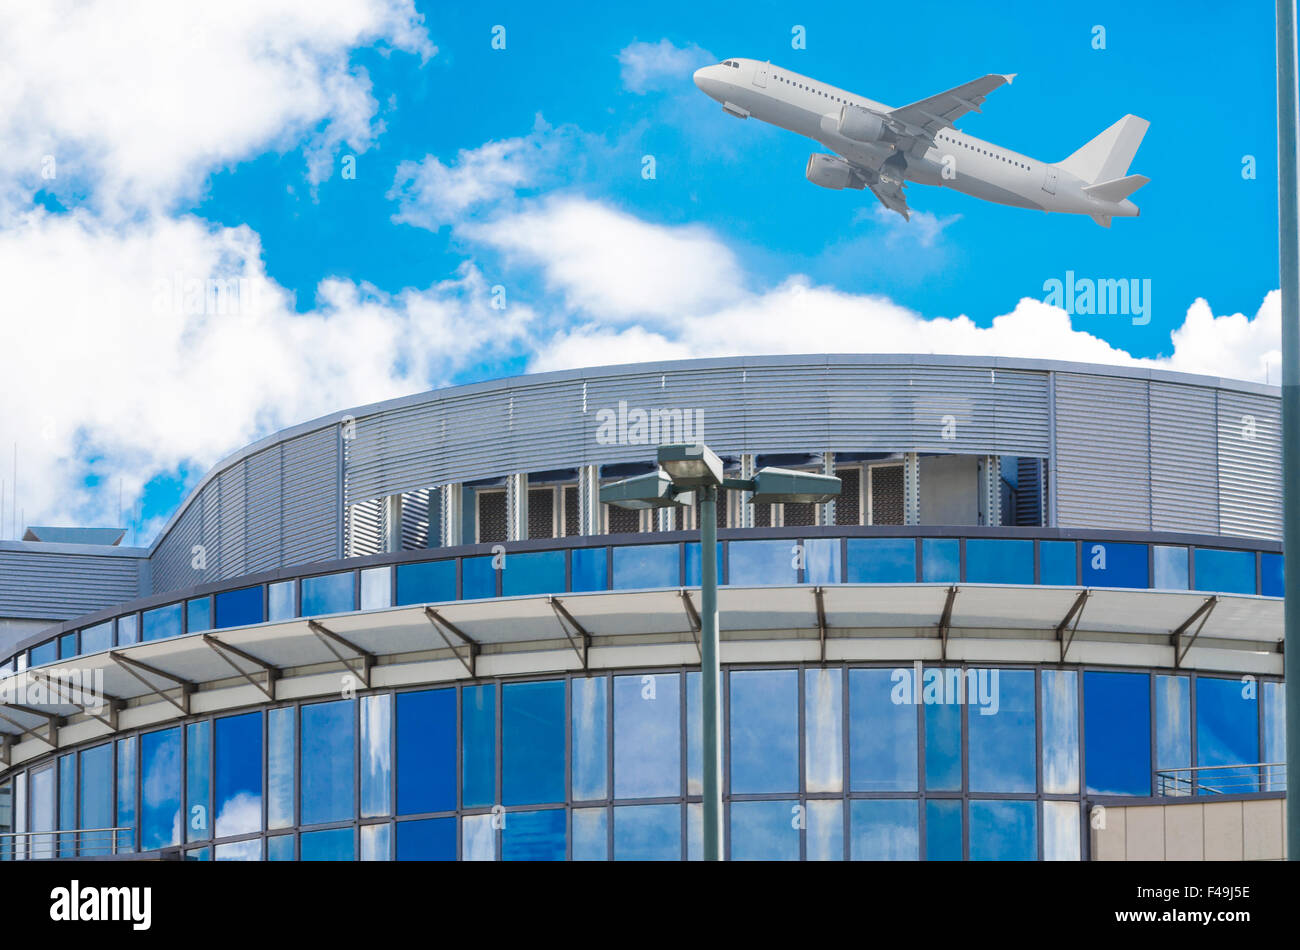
(262, 511)
(363, 527)
(1029, 492)
(209, 558)
(415, 519)
(1250, 465)
(233, 521)
(36, 586)
(848, 506)
(310, 498)
(172, 562)
(1184, 482)
(1102, 457)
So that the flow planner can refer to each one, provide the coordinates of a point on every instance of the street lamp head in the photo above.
(691, 464)
(652, 490)
(777, 485)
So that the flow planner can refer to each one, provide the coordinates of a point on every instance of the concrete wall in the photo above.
(1191, 831)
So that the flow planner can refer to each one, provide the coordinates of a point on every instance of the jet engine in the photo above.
(831, 171)
(860, 125)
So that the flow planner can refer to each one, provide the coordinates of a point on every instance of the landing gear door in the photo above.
(760, 74)
(1049, 180)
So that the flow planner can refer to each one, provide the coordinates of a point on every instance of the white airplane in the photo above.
(882, 148)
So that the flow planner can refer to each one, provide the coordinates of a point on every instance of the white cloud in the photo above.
(1233, 345)
(138, 101)
(646, 67)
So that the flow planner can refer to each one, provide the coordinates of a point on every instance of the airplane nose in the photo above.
(699, 78)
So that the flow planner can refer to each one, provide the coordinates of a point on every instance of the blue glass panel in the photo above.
(1061, 822)
(163, 622)
(96, 767)
(376, 842)
(126, 789)
(238, 780)
(693, 574)
(764, 831)
(647, 832)
(823, 713)
(754, 563)
(1227, 733)
(1270, 579)
(160, 789)
(1060, 731)
(940, 690)
(1057, 563)
(428, 582)
(764, 728)
(280, 768)
(943, 829)
(1170, 567)
(198, 780)
(376, 755)
(1111, 564)
(280, 601)
(478, 577)
(237, 608)
(198, 615)
(128, 629)
(534, 835)
(328, 747)
(884, 829)
(940, 559)
(328, 594)
(590, 834)
(1000, 713)
(537, 572)
(68, 645)
(822, 561)
(590, 569)
(98, 638)
(589, 737)
(1116, 717)
(825, 837)
(647, 736)
(882, 732)
(694, 734)
(1173, 731)
(279, 848)
(376, 590)
(478, 840)
(1004, 831)
(337, 844)
(999, 561)
(67, 803)
(882, 561)
(199, 854)
(433, 839)
(426, 754)
(239, 851)
(47, 652)
(479, 724)
(646, 565)
(1230, 572)
(1273, 709)
(532, 743)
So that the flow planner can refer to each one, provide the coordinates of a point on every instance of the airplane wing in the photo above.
(889, 189)
(922, 120)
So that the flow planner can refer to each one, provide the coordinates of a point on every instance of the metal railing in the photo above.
(1242, 779)
(70, 843)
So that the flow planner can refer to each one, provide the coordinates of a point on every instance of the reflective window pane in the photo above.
(479, 725)
(943, 829)
(756, 563)
(940, 560)
(941, 690)
(68, 645)
(639, 566)
(1003, 831)
(825, 835)
(1000, 722)
(1116, 717)
(765, 831)
(647, 736)
(376, 755)
(1061, 831)
(999, 561)
(237, 747)
(67, 804)
(693, 572)
(1270, 575)
(536, 572)
(47, 652)
(588, 567)
(534, 835)
(428, 582)
(238, 608)
(198, 781)
(1227, 733)
(280, 601)
(694, 734)
(279, 848)
(328, 594)
(128, 629)
(98, 638)
(96, 795)
(882, 732)
(589, 737)
(1170, 567)
(198, 615)
(478, 838)
(280, 727)
(376, 842)
(823, 730)
(1060, 731)
(160, 789)
(478, 577)
(821, 561)
(376, 588)
(590, 834)
(1173, 733)
(1231, 572)
(881, 561)
(337, 844)
(1273, 709)
(239, 851)
(433, 839)
(163, 622)
(884, 829)
(647, 832)
(1112, 564)
(426, 754)
(126, 789)
(532, 743)
(328, 739)
(1058, 563)
(764, 731)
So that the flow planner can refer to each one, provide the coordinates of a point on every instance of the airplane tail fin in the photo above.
(1108, 156)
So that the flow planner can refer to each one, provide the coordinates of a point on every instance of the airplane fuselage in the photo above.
(959, 161)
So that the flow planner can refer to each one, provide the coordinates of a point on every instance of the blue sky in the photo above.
(196, 147)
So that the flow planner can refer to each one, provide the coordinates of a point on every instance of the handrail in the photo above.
(1246, 778)
(55, 844)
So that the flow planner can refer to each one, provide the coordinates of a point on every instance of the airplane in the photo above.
(882, 148)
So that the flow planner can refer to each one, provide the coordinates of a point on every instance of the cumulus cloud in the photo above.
(135, 102)
(648, 67)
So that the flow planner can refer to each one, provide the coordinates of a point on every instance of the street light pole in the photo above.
(710, 673)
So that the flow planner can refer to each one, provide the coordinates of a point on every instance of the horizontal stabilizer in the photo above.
(1117, 189)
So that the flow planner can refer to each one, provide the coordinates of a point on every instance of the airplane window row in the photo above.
(800, 85)
(984, 151)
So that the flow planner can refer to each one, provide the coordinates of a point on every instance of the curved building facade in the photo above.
(1042, 621)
